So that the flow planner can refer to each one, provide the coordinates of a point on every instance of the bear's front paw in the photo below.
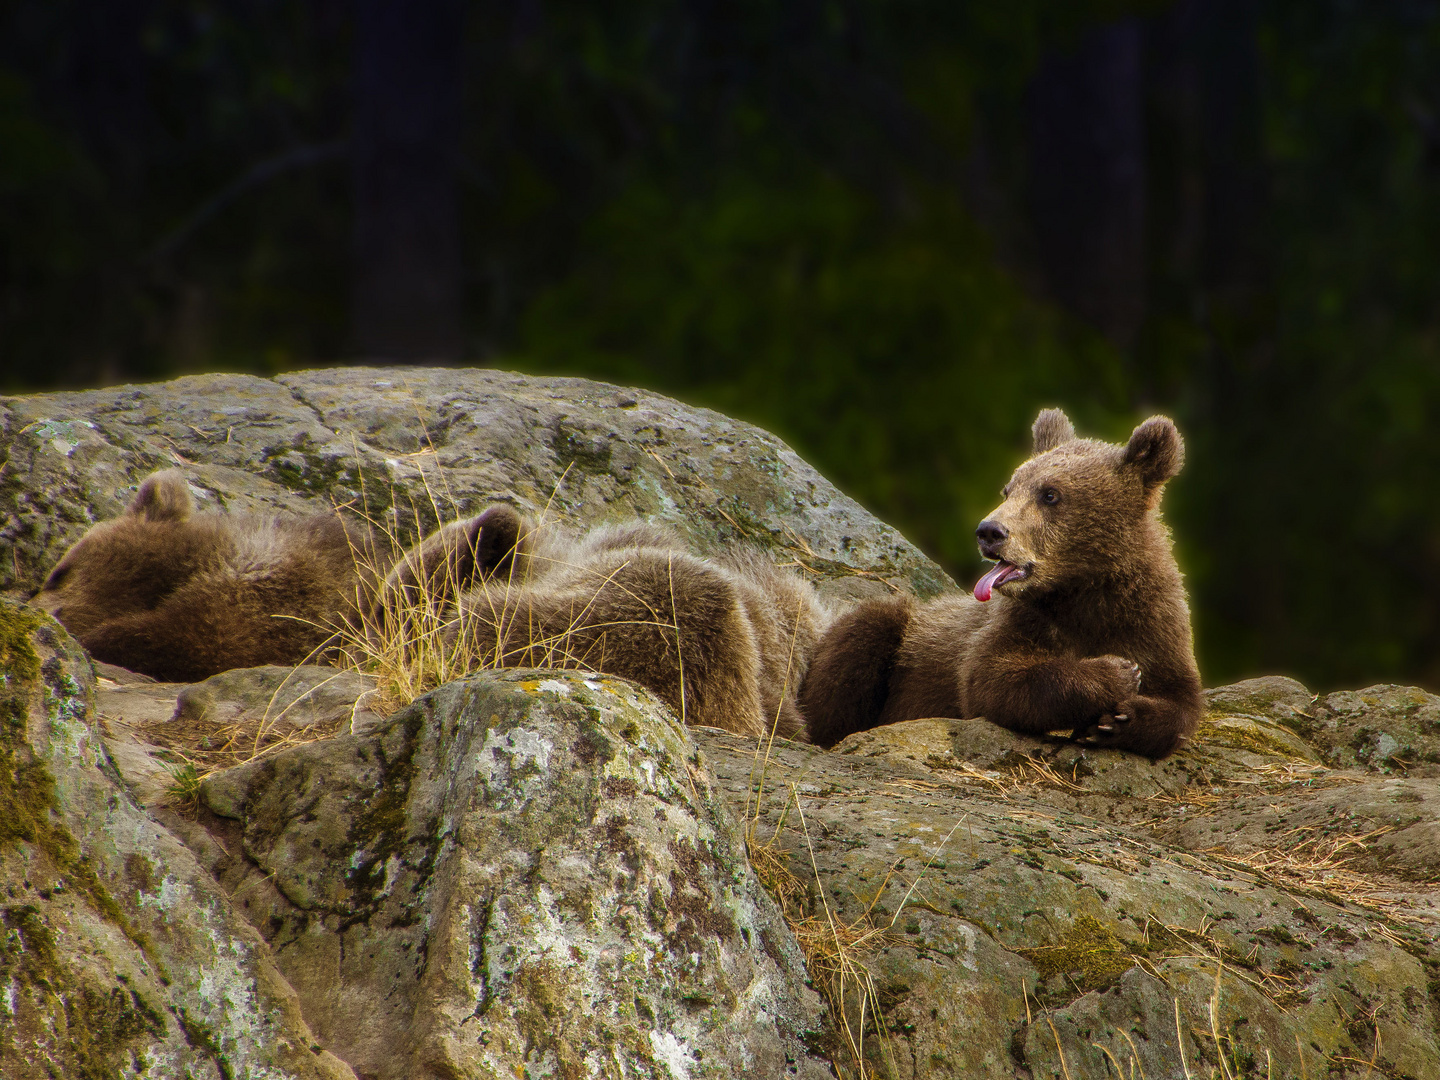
(1119, 677)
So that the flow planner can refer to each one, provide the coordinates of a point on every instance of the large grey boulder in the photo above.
(411, 446)
(519, 872)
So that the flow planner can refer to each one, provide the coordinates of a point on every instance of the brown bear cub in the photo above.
(1082, 624)
(723, 642)
(181, 596)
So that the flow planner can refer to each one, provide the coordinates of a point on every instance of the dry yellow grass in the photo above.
(1312, 859)
(835, 952)
(414, 637)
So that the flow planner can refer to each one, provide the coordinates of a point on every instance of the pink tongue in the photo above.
(997, 573)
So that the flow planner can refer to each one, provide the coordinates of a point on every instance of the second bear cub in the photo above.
(1082, 624)
(722, 641)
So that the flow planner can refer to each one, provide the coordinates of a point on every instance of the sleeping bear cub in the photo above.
(722, 641)
(181, 596)
(1082, 623)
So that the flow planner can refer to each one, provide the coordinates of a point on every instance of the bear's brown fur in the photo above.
(1088, 630)
(723, 642)
(181, 596)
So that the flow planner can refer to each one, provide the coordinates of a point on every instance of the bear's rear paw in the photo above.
(1142, 726)
(1108, 730)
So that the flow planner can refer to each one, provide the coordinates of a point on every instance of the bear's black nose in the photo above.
(991, 532)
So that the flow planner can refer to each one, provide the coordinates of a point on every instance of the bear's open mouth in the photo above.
(998, 575)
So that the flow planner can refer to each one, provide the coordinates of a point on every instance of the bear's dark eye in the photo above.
(1005, 491)
(1049, 496)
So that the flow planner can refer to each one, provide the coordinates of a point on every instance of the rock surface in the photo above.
(1060, 912)
(519, 875)
(537, 875)
(519, 872)
(1043, 909)
(1057, 912)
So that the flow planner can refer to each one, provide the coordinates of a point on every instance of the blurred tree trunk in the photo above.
(407, 286)
(1087, 178)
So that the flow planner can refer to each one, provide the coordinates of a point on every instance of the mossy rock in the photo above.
(521, 871)
(1386, 729)
(119, 955)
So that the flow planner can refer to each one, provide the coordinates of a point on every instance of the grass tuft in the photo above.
(183, 791)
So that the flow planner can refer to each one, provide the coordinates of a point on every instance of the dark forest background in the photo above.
(889, 230)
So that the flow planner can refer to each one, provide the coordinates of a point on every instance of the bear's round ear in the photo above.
(1156, 449)
(1052, 427)
(164, 496)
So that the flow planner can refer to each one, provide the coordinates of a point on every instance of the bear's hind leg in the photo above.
(436, 571)
(848, 682)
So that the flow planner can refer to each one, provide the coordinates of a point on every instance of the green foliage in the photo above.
(884, 344)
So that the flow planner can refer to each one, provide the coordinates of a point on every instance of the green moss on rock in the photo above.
(1090, 953)
(89, 1032)
(27, 787)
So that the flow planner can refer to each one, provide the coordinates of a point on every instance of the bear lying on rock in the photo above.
(1082, 623)
(181, 596)
(724, 642)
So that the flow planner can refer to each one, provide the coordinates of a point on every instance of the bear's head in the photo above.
(1079, 511)
(131, 563)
